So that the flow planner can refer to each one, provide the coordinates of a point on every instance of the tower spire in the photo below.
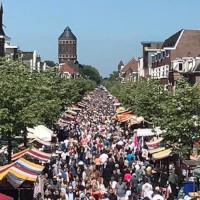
(1, 8)
(1, 20)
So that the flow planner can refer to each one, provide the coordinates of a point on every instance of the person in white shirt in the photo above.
(66, 141)
(147, 190)
(64, 154)
(157, 196)
(113, 183)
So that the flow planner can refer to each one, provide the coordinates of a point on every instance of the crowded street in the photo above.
(101, 159)
(100, 100)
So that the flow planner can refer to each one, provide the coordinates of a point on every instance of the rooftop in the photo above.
(67, 34)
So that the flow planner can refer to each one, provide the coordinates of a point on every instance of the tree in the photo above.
(144, 98)
(50, 63)
(174, 113)
(29, 99)
(90, 72)
(179, 120)
(112, 79)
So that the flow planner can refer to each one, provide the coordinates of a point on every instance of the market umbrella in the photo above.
(5, 197)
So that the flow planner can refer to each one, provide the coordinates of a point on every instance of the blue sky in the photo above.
(107, 30)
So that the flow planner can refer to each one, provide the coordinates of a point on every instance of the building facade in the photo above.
(189, 67)
(129, 72)
(148, 49)
(67, 47)
(141, 72)
(184, 43)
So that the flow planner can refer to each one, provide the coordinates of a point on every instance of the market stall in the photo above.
(162, 154)
(33, 153)
(41, 132)
(38, 140)
(20, 171)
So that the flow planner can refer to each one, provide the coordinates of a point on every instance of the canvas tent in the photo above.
(41, 132)
(162, 154)
(32, 152)
(20, 171)
(148, 132)
(41, 142)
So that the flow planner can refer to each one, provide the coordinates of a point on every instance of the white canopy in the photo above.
(41, 132)
(148, 131)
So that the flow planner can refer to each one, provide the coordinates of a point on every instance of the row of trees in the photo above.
(86, 71)
(29, 99)
(176, 114)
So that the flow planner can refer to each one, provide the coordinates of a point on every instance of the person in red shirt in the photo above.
(84, 140)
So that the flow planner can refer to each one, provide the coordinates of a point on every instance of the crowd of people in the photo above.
(99, 160)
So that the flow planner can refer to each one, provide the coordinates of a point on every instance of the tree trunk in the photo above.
(9, 146)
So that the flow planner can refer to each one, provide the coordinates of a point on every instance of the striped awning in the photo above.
(71, 112)
(42, 142)
(25, 164)
(81, 104)
(151, 151)
(20, 171)
(154, 144)
(32, 152)
(124, 117)
(162, 154)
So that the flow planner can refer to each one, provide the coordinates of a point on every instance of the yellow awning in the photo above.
(162, 154)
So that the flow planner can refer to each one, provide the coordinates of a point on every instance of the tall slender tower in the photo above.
(2, 34)
(67, 45)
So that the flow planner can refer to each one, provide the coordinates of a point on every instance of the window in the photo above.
(163, 54)
(167, 70)
(156, 57)
(167, 53)
(180, 66)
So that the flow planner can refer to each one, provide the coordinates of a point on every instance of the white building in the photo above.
(141, 68)
(185, 64)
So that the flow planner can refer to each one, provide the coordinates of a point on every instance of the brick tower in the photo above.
(67, 47)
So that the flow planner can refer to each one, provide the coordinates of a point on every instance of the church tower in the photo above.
(67, 47)
(2, 34)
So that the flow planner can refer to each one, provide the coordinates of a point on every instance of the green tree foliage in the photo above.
(174, 113)
(112, 79)
(144, 98)
(179, 119)
(29, 99)
(50, 63)
(90, 72)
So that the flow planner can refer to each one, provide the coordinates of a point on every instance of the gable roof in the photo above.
(132, 64)
(172, 40)
(67, 68)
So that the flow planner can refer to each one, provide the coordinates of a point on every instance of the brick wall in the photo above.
(189, 45)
